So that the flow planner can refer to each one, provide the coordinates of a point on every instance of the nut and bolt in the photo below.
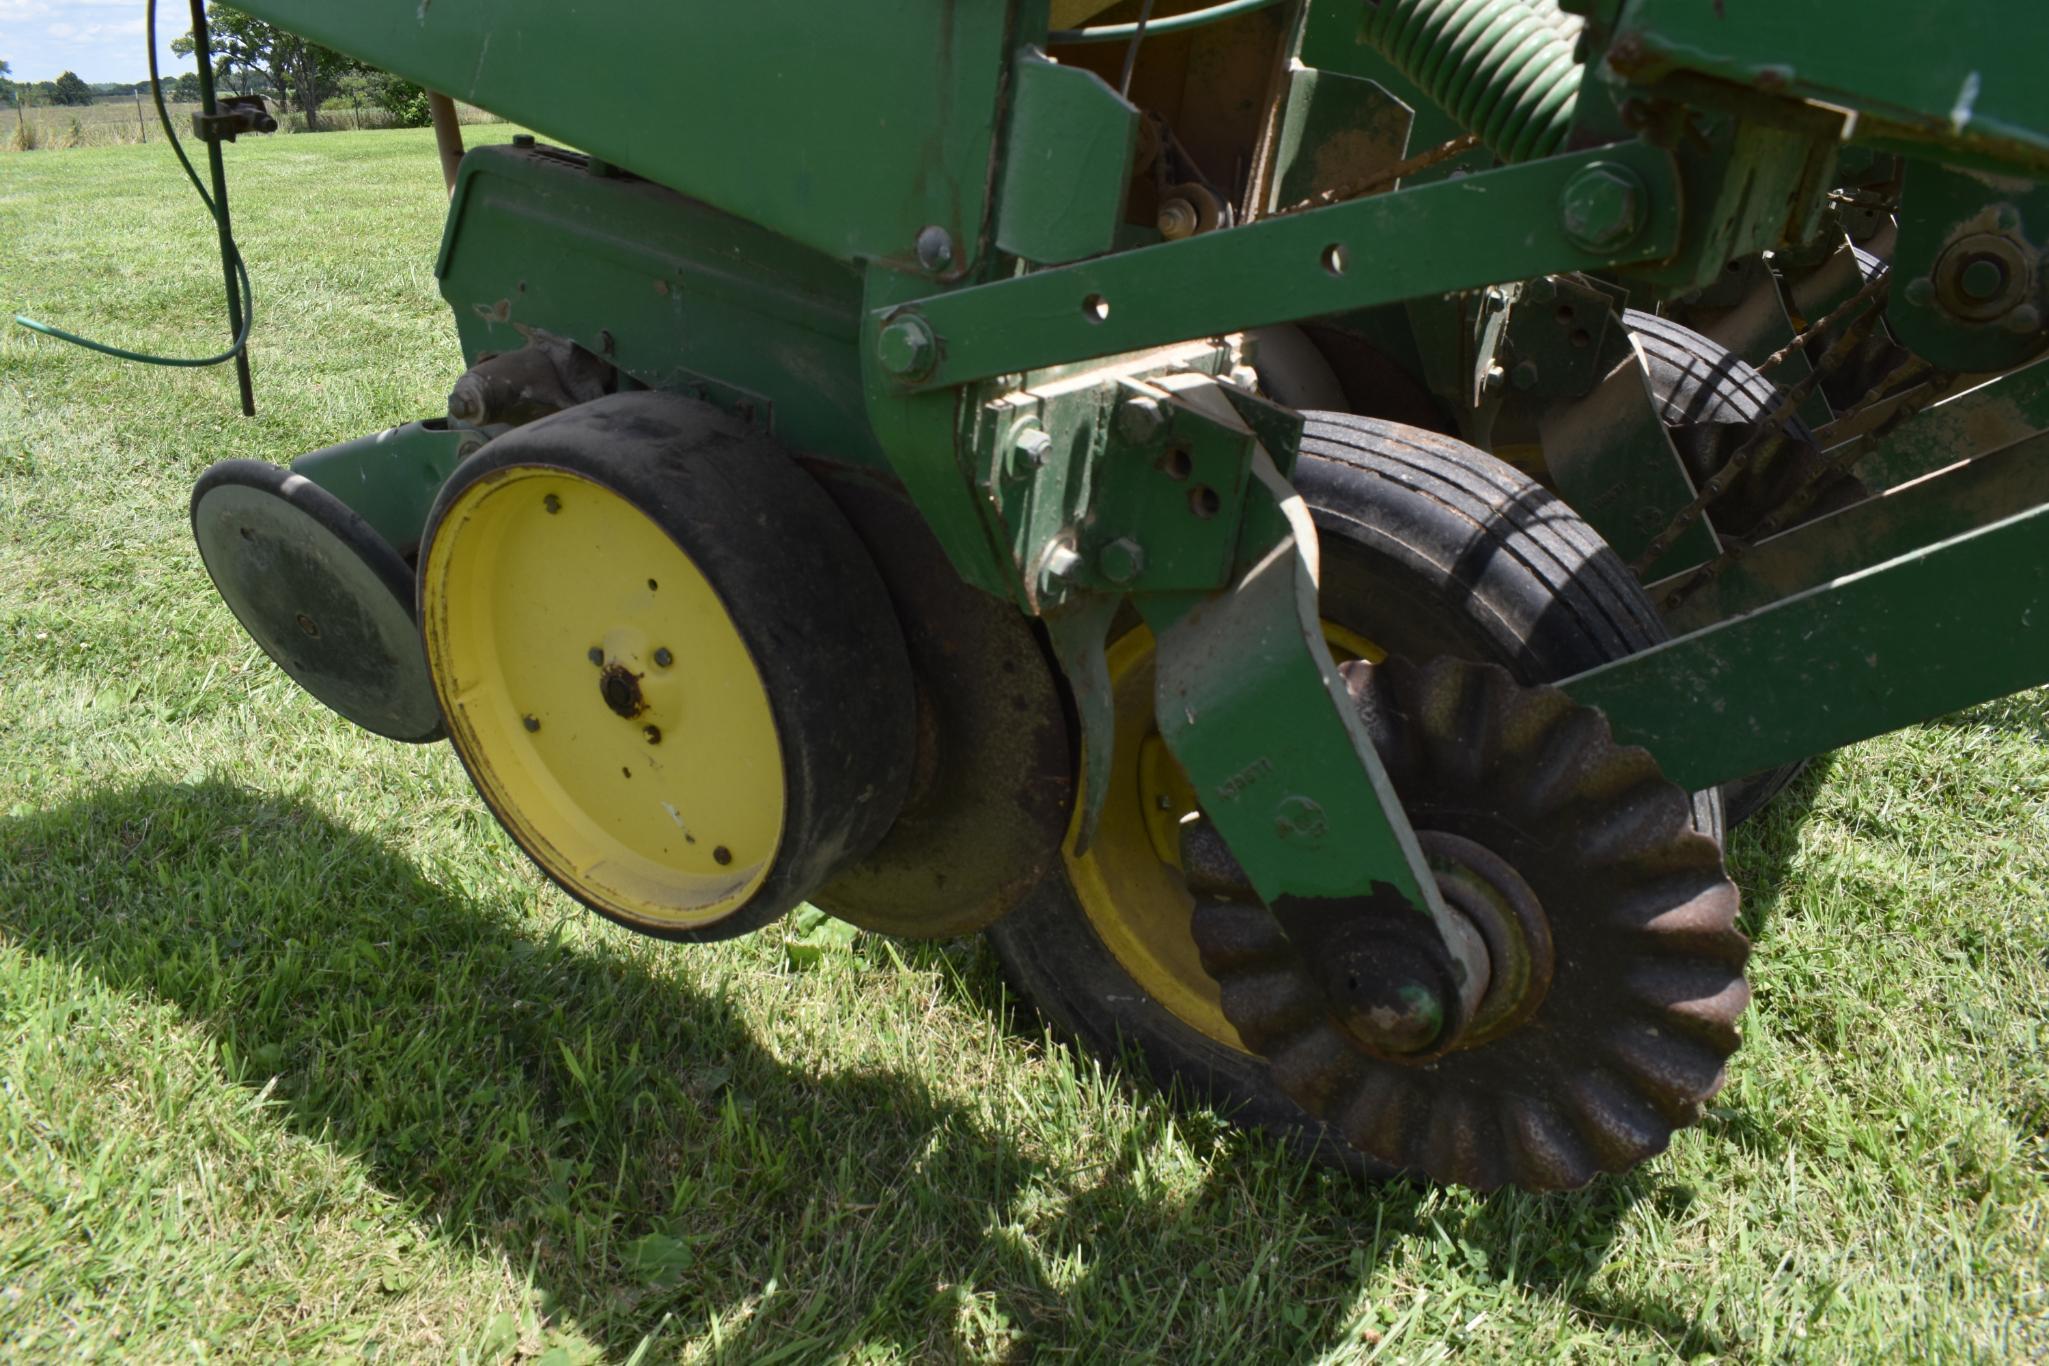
(1602, 207)
(663, 659)
(1178, 219)
(1122, 560)
(1140, 418)
(1524, 376)
(1030, 446)
(466, 401)
(907, 347)
(935, 249)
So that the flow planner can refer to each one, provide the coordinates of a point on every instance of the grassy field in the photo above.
(299, 1058)
(114, 122)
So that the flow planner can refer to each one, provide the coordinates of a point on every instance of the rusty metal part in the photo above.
(1188, 209)
(994, 775)
(1768, 435)
(1388, 175)
(447, 136)
(1588, 1047)
(545, 376)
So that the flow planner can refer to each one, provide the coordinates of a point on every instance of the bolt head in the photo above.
(1122, 560)
(1981, 279)
(1603, 207)
(935, 249)
(1920, 291)
(1178, 219)
(1030, 447)
(1140, 418)
(1524, 376)
(2024, 320)
(663, 659)
(907, 347)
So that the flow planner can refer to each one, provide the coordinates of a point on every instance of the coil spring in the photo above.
(1502, 68)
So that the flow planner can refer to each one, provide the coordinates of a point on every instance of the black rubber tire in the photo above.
(1429, 547)
(1708, 395)
(285, 554)
(798, 585)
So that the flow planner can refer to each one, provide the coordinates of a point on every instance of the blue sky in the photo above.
(99, 39)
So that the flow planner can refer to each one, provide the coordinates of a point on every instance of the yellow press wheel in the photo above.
(667, 663)
(1429, 548)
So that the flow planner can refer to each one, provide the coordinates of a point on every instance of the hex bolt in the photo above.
(1122, 560)
(1524, 376)
(1178, 219)
(1140, 418)
(935, 249)
(907, 347)
(1602, 207)
(663, 659)
(1029, 448)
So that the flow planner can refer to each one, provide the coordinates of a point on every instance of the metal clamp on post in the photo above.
(236, 114)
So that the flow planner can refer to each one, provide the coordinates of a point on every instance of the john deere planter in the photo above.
(1304, 521)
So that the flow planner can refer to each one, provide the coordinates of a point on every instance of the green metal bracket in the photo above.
(1949, 503)
(1432, 239)
(1937, 629)
(1988, 418)
(1069, 158)
(1903, 68)
(1611, 457)
(390, 478)
(1972, 290)
(1336, 130)
(1251, 704)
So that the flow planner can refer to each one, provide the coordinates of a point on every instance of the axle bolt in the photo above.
(907, 347)
(1602, 207)
(1982, 279)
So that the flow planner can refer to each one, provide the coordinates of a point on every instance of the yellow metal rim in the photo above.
(1129, 882)
(603, 698)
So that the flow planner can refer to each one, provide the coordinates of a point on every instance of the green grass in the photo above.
(298, 1057)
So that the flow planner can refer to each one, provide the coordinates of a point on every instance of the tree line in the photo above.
(250, 57)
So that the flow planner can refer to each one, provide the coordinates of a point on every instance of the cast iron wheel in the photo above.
(1429, 548)
(667, 663)
(325, 596)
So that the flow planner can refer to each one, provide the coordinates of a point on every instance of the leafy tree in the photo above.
(71, 90)
(7, 86)
(302, 72)
(186, 91)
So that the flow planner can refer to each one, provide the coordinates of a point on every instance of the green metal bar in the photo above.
(1948, 503)
(1502, 225)
(2009, 409)
(390, 478)
(1919, 636)
(202, 51)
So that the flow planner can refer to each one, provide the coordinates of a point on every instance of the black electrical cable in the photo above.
(156, 89)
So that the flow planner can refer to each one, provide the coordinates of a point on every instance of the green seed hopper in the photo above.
(1304, 521)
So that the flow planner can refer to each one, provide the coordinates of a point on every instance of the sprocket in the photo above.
(1608, 1021)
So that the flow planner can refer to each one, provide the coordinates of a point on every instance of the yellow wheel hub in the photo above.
(1129, 882)
(602, 698)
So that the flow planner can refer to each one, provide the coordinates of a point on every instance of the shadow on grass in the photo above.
(624, 1136)
(1761, 850)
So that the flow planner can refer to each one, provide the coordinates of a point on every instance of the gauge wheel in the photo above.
(1430, 548)
(667, 662)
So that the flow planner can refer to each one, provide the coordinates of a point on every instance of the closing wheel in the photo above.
(667, 662)
(322, 593)
(1429, 548)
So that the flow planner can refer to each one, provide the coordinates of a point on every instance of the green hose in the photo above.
(1499, 67)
